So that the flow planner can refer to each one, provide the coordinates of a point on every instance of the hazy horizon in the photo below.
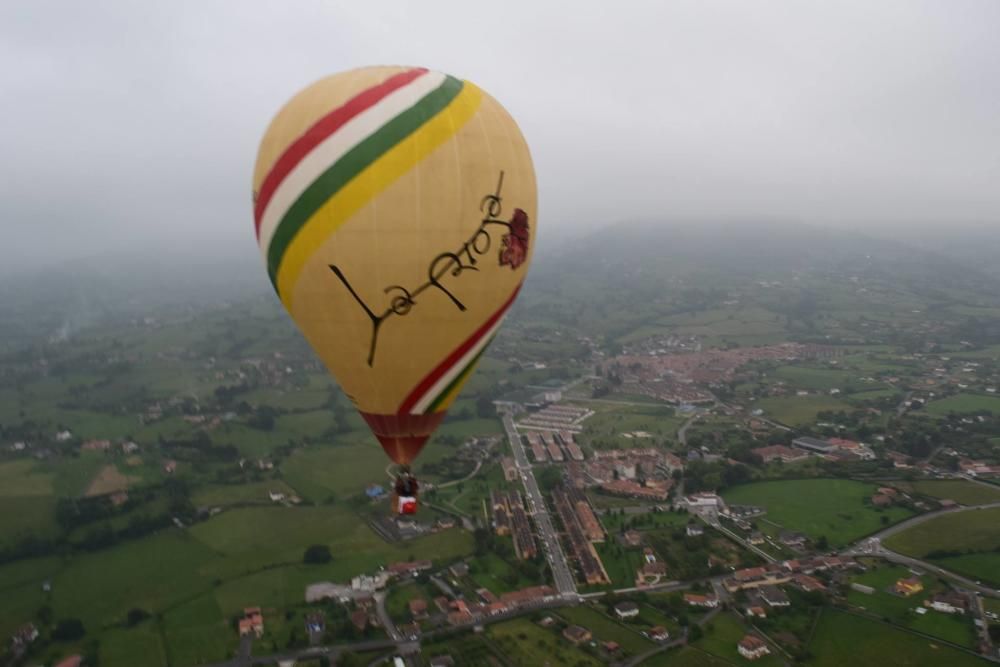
(133, 129)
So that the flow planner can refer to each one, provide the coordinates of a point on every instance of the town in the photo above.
(719, 486)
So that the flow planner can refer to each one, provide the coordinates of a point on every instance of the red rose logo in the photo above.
(515, 244)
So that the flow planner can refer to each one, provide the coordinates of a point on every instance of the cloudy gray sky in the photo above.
(134, 124)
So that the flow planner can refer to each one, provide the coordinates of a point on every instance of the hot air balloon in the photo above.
(395, 209)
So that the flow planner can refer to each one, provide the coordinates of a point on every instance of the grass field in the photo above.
(722, 634)
(831, 507)
(972, 530)
(813, 378)
(980, 566)
(120, 646)
(687, 656)
(525, 643)
(799, 410)
(606, 629)
(342, 470)
(21, 478)
(845, 639)
(965, 403)
(196, 632)
(248, 539)
(961, 491)
(900, 610)
(621, 566)
(253, 493)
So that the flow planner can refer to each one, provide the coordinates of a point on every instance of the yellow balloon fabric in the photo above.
(395, 209)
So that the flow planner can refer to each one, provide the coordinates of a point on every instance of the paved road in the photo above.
(909, 523)
(682, 431)
(561, 572)
(872, 546)
(384, 618)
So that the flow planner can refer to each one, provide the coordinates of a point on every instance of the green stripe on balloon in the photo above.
(352, 164)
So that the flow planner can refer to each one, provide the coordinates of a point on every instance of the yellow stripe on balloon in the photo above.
(371, 182)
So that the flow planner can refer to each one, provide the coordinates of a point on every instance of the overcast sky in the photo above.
(135, 124)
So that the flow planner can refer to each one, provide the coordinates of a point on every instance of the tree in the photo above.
(317, 554)
(69, 630)
(822, 543)
(995, 633)
(136, 616)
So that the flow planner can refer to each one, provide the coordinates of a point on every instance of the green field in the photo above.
(253, 493)
(961, 491)
(120, 646)
(687, 656)
(813, 378)
(199, 577)
(901, 610)
(831, 507)
(605, 629)
(965, 403)
(799, 410)
(971, 530)
(845, 639)
(525, 643)
(978, 566)
(721, 636)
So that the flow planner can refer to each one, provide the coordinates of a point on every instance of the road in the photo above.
(872, 546)
(562, 575)
(384, 618)
(682, 431)
(909, 523)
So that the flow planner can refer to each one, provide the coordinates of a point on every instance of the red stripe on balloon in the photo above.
(323, 128)
(453, 358)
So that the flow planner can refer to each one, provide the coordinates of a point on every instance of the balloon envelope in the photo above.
(395, 209)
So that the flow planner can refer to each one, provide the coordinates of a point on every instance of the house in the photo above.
(315, 622)
(791, 538)
(756, 610)
(908, 587)
(752, 647)
(626, 610)
(756, 537)
(96, 445)
(63, 436)
(275, 496)
(658, 633)
(577, 634)
(72, 661)
(252, 622)
(169, 467)
(418, 608)
(779, 453)
(632, 538)
(509, 469)
(774, 596)
(442, 661)
(881, 500)
(697, 600)
(129, 447)
(807, 583)
(813, 445)
(26, 634)
(459, 569)
(359, 619)
(948, 603)
(409, 567)
(695, 530)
